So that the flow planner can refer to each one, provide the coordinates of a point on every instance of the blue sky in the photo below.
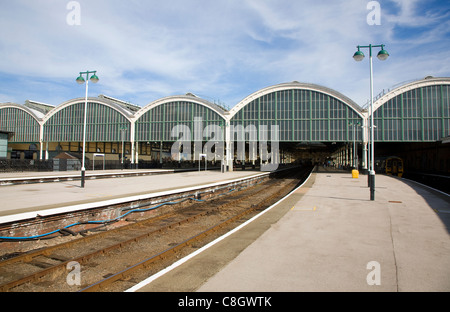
(221, 50)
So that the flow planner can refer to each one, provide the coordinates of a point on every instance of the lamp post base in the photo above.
(372, 185)
(83, 173)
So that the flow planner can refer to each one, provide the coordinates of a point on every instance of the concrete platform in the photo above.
(74, 174)
(32, 198)
(29, 177)
(328, 236)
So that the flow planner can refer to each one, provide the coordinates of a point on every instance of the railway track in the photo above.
(115, 260)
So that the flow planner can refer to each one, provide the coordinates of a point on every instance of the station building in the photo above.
(314, 123)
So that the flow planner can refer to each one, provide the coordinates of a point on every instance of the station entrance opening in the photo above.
(339, 155)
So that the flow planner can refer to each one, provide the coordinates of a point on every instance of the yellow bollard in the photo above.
(355, 174)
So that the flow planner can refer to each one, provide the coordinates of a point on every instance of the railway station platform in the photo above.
(17, 201)
(328, 236)
(33, 175)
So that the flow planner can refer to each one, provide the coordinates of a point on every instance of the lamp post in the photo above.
(359, 56)
(80, 80)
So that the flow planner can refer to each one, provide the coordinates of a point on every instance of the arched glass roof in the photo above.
(156, 121)
(189, 97)
(105, 119)
(22, 121)
(297, 86)
(415, 111)
(418, 111)
(302, 112)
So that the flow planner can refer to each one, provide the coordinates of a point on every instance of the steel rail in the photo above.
(98, 286)
(84, 258)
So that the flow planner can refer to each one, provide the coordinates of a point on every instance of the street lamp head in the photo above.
(358, 56)
(94, 78)
(80, 80)
(383, 54)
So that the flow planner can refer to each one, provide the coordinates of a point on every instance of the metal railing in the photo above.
(25, 165)
(20, 165)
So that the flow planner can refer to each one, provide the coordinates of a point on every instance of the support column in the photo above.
(132, 153)
(345, 155)
(350, 151)
(136, 159)
(364, 158)
(229, 148)
(41, 150)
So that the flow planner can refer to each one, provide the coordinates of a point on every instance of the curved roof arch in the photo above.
(38, 116)
(414, 112)
(187, 98)
(426, 82)
(25, 125)
(102, 101)
(299, 86)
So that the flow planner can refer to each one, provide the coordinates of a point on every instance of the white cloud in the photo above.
(410, 14)
(224, 49)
